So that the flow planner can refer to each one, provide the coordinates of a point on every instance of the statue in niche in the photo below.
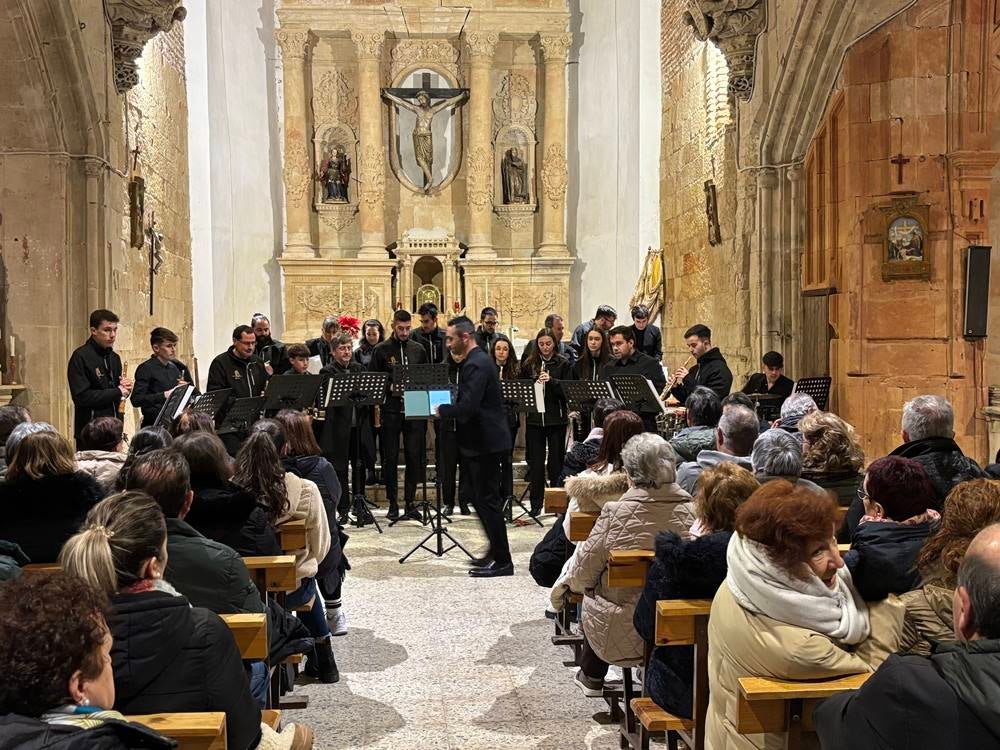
(712, 213)
(423, 138)
(514, 170)
(335, 175)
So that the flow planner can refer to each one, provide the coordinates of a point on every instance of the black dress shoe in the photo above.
(493, 570)
(393, 513)
(447, 511)
(465, 510)
(413, 513)
(480, 562)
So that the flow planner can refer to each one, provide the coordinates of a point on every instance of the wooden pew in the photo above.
(42, 568)
(842, 548)
(273, 574)
(191, 731)
(250, 632)
(580, 525)
(556, 500)
(767, 705)
(628, 567)
(293, 535)
(841, 514)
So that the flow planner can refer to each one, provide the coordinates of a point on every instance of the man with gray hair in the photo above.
(793, 409)
(734, 438)
(950, 699)
(928, 431)
(777, 454)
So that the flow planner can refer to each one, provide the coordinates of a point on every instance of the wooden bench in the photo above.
(764, 705)
(273, 574)
(191, 731)
(272, 718)
(250, 632)
(292, 535)
(841, 514)
(628, 567)
(42, 568)
(580, 525)
(842, 548)
(556, 500)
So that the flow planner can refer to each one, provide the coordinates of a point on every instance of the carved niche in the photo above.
(335, 144)
(133, 23)
(514, 111)
(413, 53)
(734, 26)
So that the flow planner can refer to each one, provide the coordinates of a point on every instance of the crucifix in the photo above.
(424, 110)
(155, 258)
(899, 160)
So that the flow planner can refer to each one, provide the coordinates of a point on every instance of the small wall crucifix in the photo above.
(155, 257)
(899, 160)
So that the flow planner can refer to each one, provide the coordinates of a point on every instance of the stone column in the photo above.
(294, 45)
(767, 181)
(554, 170)
(479, 186)
(796, 214)
(371, 206)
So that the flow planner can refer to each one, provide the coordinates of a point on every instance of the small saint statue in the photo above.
(336, 176)
(514, 171)
(423, 139)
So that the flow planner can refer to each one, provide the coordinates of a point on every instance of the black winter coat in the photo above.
(951, 699)
(26, 733)
(692, 569)
(168, 656)
(549, 555)
(578, 458)
(710, 371)
(390, 353)
(93, 374)
(556, 412)
(41, 514)
(246, 377)
(883, 557)
(232, 516)
(649, 341)
(338, 432)
(943, 461)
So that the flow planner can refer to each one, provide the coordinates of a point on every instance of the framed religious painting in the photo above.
(905, 249)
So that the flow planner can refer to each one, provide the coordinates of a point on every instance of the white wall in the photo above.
(236, 192)
(614, 149)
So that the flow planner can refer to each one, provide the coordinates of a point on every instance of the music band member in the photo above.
(449, 458)
(320, 346)
(771, 379)
(554, 322)
(400, 349)
(429, 335)
(298, 359)
(710, 369)
(508, 368)
(626, 360)
(269, 351)
(346, 429)
(483, 438)
(159, 375)
(605, 318)
(545, 432)
(237, 368)
(487, 332)
(648, 338)
(94, 373)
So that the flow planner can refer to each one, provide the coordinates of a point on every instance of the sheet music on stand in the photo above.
(522, 396)
(294, 392)
(638, 393)
(211, 403)
(581, 395)
(356, 389)
(173, 406)
(241, 415)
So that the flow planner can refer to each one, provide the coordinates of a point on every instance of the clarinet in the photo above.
(121, 404)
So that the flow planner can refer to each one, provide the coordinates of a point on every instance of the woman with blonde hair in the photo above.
(166, 655)
(831, 454)
(44, 497)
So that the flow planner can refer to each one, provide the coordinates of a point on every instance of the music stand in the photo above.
(241, 415)
(638, 393)
(818, 388)
(581, 395)
(173, 406)
(519, 395)
(296, 392)
(357, 389)
(211, 403)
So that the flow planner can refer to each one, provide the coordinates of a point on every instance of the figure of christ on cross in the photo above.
(423, 138)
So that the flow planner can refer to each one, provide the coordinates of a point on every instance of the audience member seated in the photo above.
(690, 570)
(777, 454)
(738, 429)
(167, 654)
(583, 453)
(289, 497)
(209, 574)
(793, 409)
(604, 480)
(629, 523)
(788, 609)
(703, 410)
(145, 440)
(831, 455)
(12, 559)
(928, 432)
(951, 699)
(192, 421)
(221, 510)
(10, 417)
(101, 450)
(44, 498)
(969, 508)
(898, 519)
(55, 660)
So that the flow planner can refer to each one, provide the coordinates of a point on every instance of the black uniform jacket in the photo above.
(481, 423)
(335, 437)
(390, 353)
(710, 371)
(637, 364)
(93, 374)
(245, 376)
(152, 380)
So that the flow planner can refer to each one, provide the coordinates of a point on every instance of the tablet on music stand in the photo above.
(421, 403)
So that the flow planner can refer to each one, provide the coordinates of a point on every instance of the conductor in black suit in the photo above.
(483, 438)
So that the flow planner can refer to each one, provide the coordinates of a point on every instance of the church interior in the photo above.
(803, 187)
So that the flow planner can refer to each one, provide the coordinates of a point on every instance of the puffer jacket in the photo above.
(591, 490)
(943, 461)
(578, 458)
(232, 516)
(883, 554)
(691, 441)
(745, 644)
(27, 733)
(102, 466)
(629, 523)
(304, 502)
(168, 656)
(928, 618)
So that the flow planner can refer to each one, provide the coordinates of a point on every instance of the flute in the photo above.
(673, 381)
(121, 404)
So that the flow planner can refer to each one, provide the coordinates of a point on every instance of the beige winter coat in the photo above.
(744, 644)
(928, 618)
(629, 523)
(304, 501)
(590, 490)
(101, 465)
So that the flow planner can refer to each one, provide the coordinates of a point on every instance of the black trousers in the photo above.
(592, 665)
(507, 462)
(484, 482)
(412, 432)
(537, 439)
(450, 464)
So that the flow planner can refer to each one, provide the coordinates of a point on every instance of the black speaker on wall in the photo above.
(977, 291)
